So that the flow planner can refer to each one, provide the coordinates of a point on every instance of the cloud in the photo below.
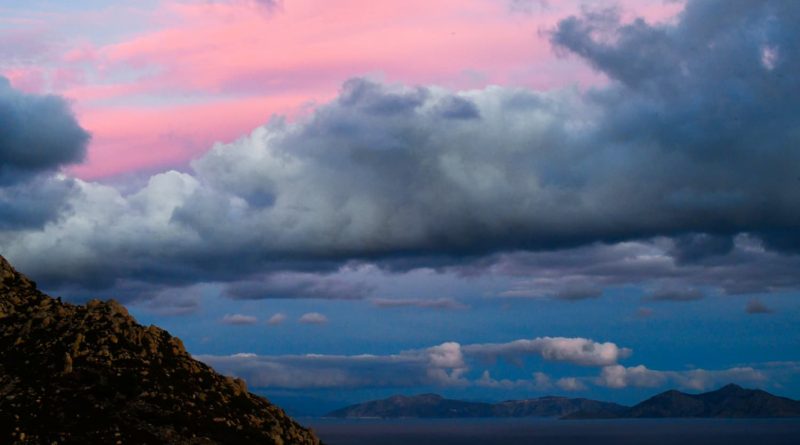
(446, 364)
(527, 6)
(681, 295)
(439, 365)
(296, 285)
(239, 319)
(313, 318)
(578, 351)
(438, 303)
(168, 301)
(559, 288)
(757, 307)
(276, 319)
(698, 246)
(618, 376)
(571, 384)
(451, 364)
(747, 268)
(692, 138)
(37, 134)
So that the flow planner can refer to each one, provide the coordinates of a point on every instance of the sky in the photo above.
(486, 199)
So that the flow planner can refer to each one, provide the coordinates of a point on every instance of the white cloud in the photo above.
(579, 351)
(277, 319)
(571, 384)
(239, 319)
(451, 364)
(446, 364)
(618, 376)
(313, 318)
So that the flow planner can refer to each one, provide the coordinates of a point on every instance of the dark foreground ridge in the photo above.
(435, 406)
(91, 374)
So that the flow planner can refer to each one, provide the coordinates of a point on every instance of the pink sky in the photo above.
(189, 73)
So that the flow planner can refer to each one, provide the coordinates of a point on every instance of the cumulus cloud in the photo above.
(437, 303)
(439, 365)
(694, 134)
(276, 319)
(313, 318)
(37, 134)
(578, 351)
(618, 376)
(451, 364)
(446, 364)
(571, 384)
(239, 319)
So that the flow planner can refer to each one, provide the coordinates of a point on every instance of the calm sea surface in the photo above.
(552, 431)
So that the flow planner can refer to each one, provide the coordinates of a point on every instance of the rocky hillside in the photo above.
(92, 374)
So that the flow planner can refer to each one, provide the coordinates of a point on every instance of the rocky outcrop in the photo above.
(91, 374)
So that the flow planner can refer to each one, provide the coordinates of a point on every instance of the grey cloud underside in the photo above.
(296, 285)
(748, 268)
(694, 137)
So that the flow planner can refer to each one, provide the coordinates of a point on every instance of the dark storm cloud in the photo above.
(694, 137)
(698, 246)
(37, 134)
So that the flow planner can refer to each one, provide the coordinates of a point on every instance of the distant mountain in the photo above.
(91, 374)
(731, 401)
(424, 405)
(435, 406)
(551, 406)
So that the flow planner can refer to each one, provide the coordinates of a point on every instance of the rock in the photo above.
(92, 374)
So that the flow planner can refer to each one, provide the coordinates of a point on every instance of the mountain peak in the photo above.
(731, 387)
(9, 277)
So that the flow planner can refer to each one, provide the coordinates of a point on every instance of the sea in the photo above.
(546, 431)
